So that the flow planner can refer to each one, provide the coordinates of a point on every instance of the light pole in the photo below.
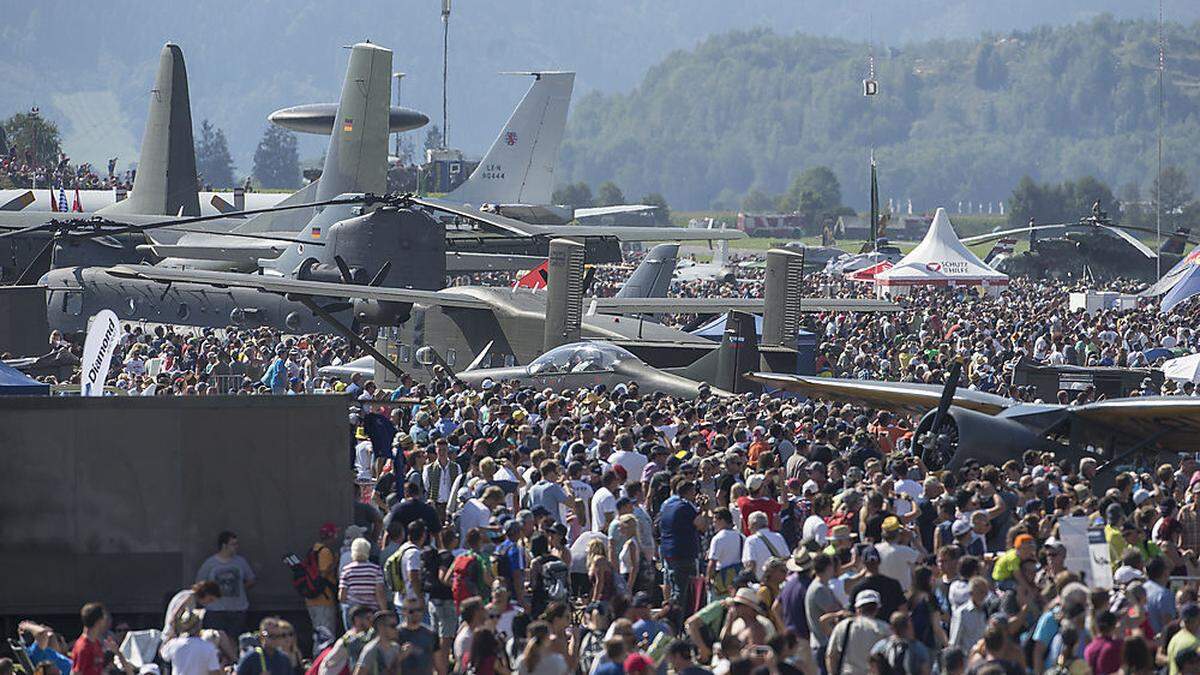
(34, 116)
(398, 76)
(445, 62)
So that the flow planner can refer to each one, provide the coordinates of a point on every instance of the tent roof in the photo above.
(15, 383)
(941, 258)
(868, 273)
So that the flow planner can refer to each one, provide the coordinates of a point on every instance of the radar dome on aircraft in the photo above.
(318, 118)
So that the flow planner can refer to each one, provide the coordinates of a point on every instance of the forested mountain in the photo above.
(954, 119)
(89, 66)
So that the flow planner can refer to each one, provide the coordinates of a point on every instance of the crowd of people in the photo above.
(601, 531)
(20, 170)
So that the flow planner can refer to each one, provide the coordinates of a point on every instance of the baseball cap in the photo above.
(327, 530)
(641, 599)
(635, 663)
(755, 482)
(870, 554)
(960, 527)
(867, 597)
(891, 524)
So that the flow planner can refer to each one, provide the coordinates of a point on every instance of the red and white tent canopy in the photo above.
(939, 260)
(868, 273)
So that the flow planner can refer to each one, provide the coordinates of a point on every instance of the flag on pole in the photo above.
(53, 203)
(77, 205)
(62, 201)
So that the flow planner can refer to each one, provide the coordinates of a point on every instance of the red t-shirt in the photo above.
(88, 656)
(1103, 655)
(748, 505)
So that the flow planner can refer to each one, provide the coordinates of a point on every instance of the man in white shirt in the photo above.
(762, 544)
(724, 552)
(477, 513)
(604, 502)
(896, 560)
(815, 528)
(190, 654)
(629, 458)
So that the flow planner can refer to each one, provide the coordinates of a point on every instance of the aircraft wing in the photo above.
(512, 226)
(290, 286)
(239, 254)
(457, 261)
(1172, 421)
(718, 305)
(909, 397)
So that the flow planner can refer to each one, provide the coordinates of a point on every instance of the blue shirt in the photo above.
(549, 495)
(1160, 605)
(680, 539)
(37, 655)
(514, 555)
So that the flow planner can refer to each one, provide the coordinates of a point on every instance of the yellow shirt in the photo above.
(1183, 640)
(1116, 545)
(1006, 565)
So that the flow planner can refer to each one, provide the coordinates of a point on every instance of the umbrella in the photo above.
(1183, 369)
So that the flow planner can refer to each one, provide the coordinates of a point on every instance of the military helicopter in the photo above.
(1094, 247)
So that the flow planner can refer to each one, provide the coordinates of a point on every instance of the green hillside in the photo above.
(955, 120)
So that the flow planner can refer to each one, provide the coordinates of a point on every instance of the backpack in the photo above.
(892, 662)
(463, 575)
(501, 564)
(306, 574)
(393, 569)
(555, 581)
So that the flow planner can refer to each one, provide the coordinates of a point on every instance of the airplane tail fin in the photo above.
(1001, 247)
(165, 183)
(782, 296)
(737, 355)
(356, 158)
(519, 167)
(652, 278)
(1176, 243)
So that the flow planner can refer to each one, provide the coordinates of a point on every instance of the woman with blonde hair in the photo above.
(600, 572)
(631, 556)
(360, 581)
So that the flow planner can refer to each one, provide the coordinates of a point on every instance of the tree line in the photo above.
(745, 113)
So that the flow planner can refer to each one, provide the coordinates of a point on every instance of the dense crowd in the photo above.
(21, 171)
(604, 531)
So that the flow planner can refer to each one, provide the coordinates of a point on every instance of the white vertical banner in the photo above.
(1087, 550)
(98, 350)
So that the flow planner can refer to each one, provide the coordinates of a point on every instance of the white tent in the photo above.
(1183, 369)
(939, 260)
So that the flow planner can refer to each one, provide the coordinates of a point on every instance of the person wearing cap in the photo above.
(896, 558)
(1186, 639)
(322, 609)
(762, 545)
(188, 653)
(1004, 570)
(851, 641)
(870, 578)
(759, 502)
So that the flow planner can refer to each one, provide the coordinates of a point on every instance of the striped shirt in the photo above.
(360, 580)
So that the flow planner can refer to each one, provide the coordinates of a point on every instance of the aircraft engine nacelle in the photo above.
(311, 270)
(381, 313)
(967, 434)
(410, 240)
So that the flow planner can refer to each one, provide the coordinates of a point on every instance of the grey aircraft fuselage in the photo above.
(628, 368)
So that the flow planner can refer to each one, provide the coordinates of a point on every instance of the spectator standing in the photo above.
(234, 575)
(87, 654)
(360, 581)
(852, 639)
(322, 610)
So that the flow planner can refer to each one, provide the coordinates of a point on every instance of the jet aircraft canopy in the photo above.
(579, 357)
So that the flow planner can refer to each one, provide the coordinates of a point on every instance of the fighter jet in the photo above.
(960, 425)
(592, 363)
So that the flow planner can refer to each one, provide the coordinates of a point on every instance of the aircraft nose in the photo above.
(406, 119)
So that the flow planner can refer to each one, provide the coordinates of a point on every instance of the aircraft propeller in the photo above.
(937, 448)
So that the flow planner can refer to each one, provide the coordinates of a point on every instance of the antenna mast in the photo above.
(1162, 60)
